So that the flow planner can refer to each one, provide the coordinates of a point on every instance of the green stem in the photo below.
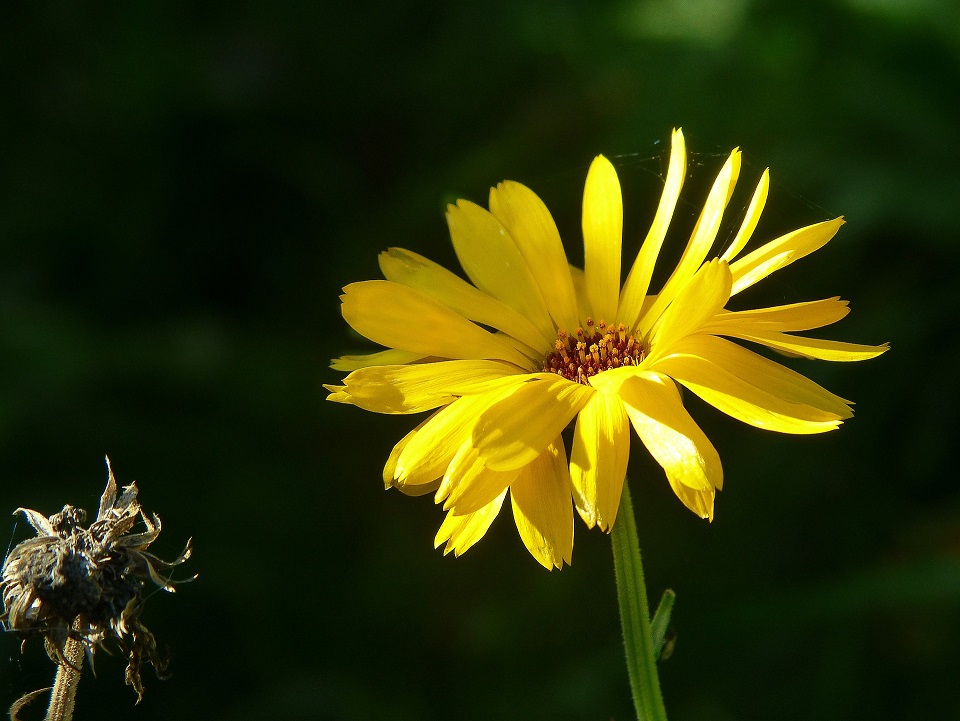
(634, 615)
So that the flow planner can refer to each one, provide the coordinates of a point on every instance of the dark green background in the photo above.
(184, 188)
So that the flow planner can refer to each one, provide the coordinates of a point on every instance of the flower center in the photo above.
(598, 348)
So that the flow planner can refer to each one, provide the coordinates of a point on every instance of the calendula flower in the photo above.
(506, 363)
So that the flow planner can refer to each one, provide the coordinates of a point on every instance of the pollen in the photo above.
(593, 350)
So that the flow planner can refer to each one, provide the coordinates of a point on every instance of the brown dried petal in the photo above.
(109, 493)
(39, 522)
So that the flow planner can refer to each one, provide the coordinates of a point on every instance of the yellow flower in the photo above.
(533, 343)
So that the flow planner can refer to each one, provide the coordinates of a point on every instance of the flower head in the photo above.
(71, 582)
(507, 362)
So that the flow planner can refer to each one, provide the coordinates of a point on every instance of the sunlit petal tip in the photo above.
(606, 525)
(461, 532)
(587, 514)
(349, 363)
(732, 167)
(700, 502)
(540, 497)
(339, 398)
(678, 147)
(602, 224)
(415, 489)
(751, 218)
(782, 251)
(390, 467)
(791, 317)
(633, 295)
(602, 176)
(815, 348)
(678, 150)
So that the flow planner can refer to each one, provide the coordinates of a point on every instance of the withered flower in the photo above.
(81, 588)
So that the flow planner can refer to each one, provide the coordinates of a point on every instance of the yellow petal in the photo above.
(542, 509)
(468, 485)
(338, 394)
(702, 298)
(817, 348)
(704, 233)
(762, 269)
(427, 455)
(580, 288)
(753, 389)
(461, 532)
(638, 281)
(531, 226)
(792, 317)
(601, 449)
(602, 238)
(751, 219)
(514, 431)
(700, 502)
(421, 485)
(419, 489)
(787, 248)
(758, 409)
(764, 373)
(491, 259)
(400, 317)
(381, 358)
(421, 387)
(409, 268)
(669, 433)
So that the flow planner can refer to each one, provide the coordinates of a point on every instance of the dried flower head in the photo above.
(74, 584)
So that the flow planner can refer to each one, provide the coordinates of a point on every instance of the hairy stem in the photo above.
(635, 615)
(65, 686)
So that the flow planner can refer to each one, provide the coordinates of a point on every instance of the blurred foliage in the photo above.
(185, 187)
